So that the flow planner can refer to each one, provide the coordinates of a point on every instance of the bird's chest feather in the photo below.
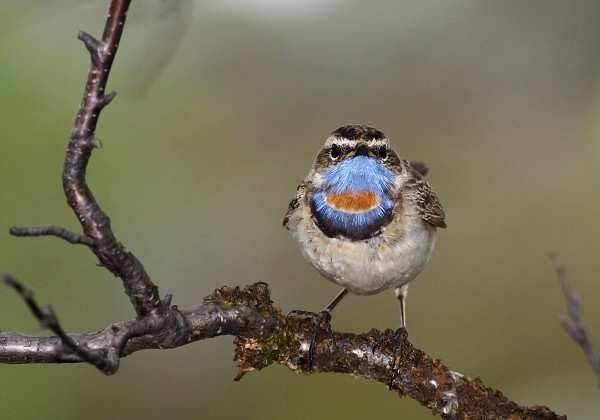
(355, 201)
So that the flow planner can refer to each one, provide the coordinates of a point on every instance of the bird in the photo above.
(364, 217)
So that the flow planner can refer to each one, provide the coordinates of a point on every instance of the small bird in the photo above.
(365, 218)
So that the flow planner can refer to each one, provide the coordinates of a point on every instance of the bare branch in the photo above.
(111, 253)
(97, 231)
(48, 319)
(573, 323)
(264, 336)
(51, 230)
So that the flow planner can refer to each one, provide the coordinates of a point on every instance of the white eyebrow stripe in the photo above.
(342, 141)
(382, 142)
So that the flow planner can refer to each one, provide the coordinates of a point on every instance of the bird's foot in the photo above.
(312, 325)
(325, 316)
(322, 321)
(401, 332)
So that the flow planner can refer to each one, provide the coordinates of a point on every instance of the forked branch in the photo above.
(263, 334)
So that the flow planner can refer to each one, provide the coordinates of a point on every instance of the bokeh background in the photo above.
(222, 106)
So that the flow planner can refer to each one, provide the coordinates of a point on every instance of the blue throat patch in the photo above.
(358, 175)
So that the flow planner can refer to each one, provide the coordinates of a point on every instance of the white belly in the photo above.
(370, 266)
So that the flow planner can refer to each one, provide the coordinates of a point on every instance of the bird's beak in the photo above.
(361, 150)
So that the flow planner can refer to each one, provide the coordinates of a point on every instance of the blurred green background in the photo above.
(222, 106)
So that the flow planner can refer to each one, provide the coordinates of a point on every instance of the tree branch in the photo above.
(263, 334)
(97, 231)
(95, 223)
(573, 323)
(48, 320)
(50, 230)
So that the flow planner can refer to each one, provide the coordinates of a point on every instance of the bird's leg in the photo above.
(326, 312)
(324, 316)
(401, 293)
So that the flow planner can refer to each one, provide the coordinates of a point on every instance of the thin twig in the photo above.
(51, 230)
(573, 323)
(48, 319)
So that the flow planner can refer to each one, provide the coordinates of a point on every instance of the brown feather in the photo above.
(294, 204)
(427, 202)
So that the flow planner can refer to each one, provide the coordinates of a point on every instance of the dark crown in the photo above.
(358, 132)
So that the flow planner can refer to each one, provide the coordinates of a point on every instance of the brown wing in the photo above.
(294, 204)
(420, 167)
(428, 204)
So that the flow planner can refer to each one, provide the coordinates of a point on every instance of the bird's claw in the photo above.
(325, 316)
(322, 320)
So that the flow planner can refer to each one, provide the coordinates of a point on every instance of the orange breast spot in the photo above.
(353, 202)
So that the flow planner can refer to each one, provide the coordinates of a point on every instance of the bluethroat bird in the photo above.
(365, 218)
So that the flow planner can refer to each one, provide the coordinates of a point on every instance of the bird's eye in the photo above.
(382, 152)
(335, 152)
